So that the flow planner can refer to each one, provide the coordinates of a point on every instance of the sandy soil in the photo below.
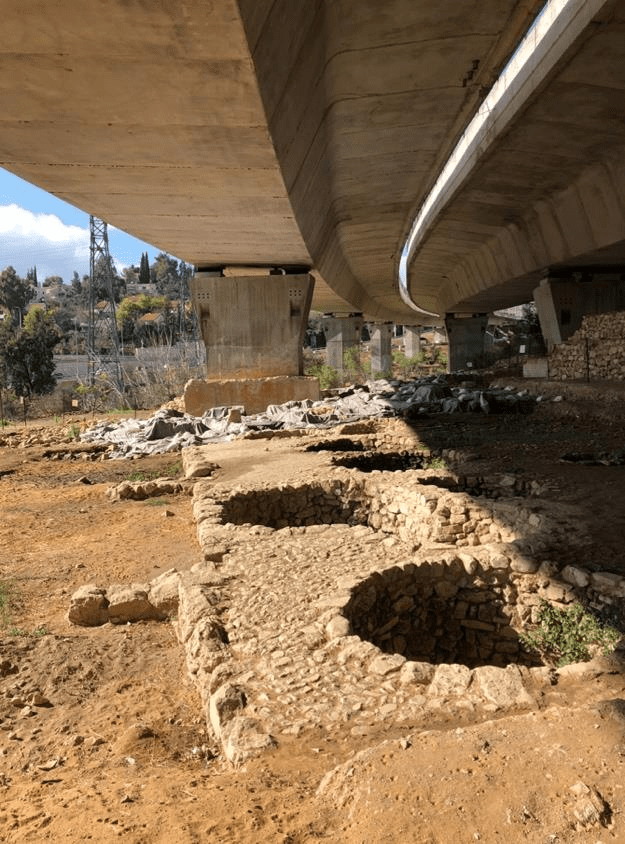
(101, 735)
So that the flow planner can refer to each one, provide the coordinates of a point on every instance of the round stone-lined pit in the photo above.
(416, 507)
(301, 506)
(341, 444)
(385, 461)
(438, 612)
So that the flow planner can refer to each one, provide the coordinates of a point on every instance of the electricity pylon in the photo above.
(102, 322)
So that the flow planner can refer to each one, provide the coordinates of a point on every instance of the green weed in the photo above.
(9, 603)
(566, 636)
(170, 471)
(327, 375)
(436, 463)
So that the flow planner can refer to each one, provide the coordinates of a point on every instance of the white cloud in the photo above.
(29, 239)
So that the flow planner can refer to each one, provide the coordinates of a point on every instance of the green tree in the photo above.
(133, 307)
(166, 276)
(27, 355)
(144, 269)
(15, 293)
(52, 281)
(76, 284)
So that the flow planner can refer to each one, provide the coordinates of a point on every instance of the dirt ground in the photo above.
(101, 734)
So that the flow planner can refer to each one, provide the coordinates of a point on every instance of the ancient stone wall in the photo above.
(417, 513)
(595, 351)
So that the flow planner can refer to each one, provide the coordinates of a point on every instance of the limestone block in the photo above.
(608, 582)
(206, 509)
(403, 604)
(205, 647)
(450, 680)
(502, 686)
(386, 664)
(523, 565)
(244, 738)
(445, 590)
(420, 673)
(498, 561)
(196, 462)
(469, 563)
(88, 606)
(337, 627)
(193, 604)
(163, 593)
(555, 592)
(338, 600)
(127, 603)
(224, 704)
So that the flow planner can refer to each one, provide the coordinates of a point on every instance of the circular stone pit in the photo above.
(301, 506)
(341, 444)
(438, 612)
(385, 461)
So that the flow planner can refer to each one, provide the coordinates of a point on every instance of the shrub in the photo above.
(565, 636)
(327, 375)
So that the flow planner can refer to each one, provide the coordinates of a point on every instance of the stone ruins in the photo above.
(358, 595)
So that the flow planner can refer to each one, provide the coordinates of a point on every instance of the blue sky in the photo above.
(37, 229)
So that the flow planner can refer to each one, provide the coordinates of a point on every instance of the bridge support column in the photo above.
(559, 309)
(466, 340)
(253, 329)
(380, 347)
(412, 340)
(342, 335)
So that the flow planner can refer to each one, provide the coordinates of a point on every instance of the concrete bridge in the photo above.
(290, 137)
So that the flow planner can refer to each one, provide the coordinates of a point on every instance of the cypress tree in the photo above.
(144, 269)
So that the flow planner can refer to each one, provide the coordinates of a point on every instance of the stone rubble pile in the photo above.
(171, 430)
(92, 606)
(142, 490)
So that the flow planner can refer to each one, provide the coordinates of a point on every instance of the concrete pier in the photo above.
(342, 335)
(412, 340)
(466, 340)
(380, 347)
(253, 329)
